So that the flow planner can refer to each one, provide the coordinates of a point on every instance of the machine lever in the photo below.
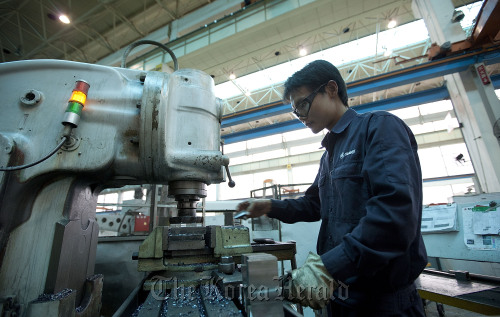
(231, 182)
(226, 165)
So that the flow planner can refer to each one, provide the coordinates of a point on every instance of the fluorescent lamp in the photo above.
(64, 19)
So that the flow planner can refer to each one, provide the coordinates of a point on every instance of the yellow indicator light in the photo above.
(79, 97)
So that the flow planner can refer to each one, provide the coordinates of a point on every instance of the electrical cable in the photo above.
(141, 42)
(20, 167)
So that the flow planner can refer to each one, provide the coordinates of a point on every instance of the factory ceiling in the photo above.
(30, 29)
(217, 36)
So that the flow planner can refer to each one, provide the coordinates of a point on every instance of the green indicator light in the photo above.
(74, 107)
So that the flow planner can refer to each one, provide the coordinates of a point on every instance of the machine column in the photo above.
(474, 100)
(54, 249)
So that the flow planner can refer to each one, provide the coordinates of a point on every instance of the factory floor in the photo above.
(449, 311)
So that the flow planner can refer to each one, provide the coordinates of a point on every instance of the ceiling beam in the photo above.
(61, 32)
(124, 19)
(42, 18)
(164, 7)
(21, 42)
(421, 72)
(104, 43)
(1, 51)
(85, 57)
(13, 45)
(14, 11)
(34, 32)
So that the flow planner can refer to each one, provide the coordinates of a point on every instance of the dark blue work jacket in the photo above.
(368, 195)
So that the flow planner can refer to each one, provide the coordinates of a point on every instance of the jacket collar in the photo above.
(340, 126)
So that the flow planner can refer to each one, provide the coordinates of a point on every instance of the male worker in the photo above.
(368, 195)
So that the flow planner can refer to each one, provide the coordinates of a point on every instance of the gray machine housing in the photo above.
(136, 127)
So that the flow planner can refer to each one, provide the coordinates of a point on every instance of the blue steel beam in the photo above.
(392, 79)
(495, 80)
(398, 102)
(421, 72)
(401, 77)
(254, 114)
(404, 101)
(267, 130)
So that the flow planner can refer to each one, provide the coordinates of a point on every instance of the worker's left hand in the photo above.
(310, 285)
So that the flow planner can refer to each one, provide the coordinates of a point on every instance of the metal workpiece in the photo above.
(188, 238)
(281, 250)
(459, 289)
(261, 291)
(232, 240)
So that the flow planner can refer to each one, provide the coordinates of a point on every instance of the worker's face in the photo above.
(324, 108)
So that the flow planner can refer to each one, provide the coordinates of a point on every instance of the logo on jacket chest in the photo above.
(345, 154)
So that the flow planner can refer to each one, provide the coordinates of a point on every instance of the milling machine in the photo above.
(210, 271)
(135, 127)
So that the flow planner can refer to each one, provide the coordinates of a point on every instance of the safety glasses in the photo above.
(301, 110)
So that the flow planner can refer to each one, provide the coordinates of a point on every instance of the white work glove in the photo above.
(310, 285)
(255, 207)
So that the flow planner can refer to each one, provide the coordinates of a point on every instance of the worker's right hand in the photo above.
(255, 207)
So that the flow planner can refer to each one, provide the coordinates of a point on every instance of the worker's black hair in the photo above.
(314, 75)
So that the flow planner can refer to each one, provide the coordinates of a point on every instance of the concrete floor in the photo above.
(450, 311)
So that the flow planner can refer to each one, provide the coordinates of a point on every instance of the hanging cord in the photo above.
(20, 167)
(141, 42)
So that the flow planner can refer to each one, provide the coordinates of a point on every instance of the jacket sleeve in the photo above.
(306, 208)
(392, 170)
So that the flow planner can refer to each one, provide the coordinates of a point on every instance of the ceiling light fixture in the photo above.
(302, 51)
(392, 23)
(232, 76)
(64, 19)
